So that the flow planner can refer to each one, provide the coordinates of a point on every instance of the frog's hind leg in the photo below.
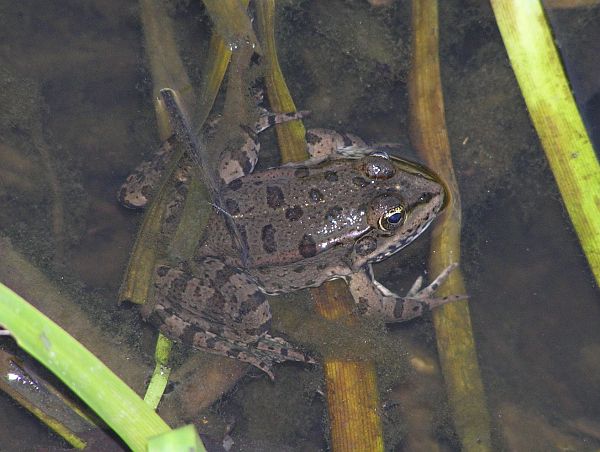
(375, 299)
(281, 350)
(324, 142)
(268, 350)
(219, 309)
(241, 162)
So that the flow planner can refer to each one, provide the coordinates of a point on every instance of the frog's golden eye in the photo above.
(386, 212)
(392, 218)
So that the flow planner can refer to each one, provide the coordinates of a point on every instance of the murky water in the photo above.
(77, 116)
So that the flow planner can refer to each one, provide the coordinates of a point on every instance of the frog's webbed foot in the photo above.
(263, 354)
(267, 351)
(281, 350)
(374, 298)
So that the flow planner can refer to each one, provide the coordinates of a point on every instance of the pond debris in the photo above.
(50, 406)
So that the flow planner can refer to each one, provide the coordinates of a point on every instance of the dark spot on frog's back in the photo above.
(188, 334)
(246, 165)
(294, 213)
(235, 184)
(308, 246)
(425, 198)
(312, 138)
(333, 213)
(359, 182)
(232, 206)
(301, 172)
(162, 270)
(315, 195)
(331, 176)
(275, 196)
(268, 238)
(363, 305)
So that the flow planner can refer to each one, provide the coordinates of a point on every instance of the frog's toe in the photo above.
(233, 349)
(425, 293)
(269, 350)
(409, 308)
(418, 300)
(263, 363)
(281, 350)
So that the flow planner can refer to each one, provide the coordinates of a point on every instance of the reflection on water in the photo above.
(74, 83)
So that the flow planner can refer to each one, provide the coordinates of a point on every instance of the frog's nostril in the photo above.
(425, 198)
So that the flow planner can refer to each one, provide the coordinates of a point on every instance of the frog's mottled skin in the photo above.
(302, 224)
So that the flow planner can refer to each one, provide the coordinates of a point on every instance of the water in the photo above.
(76, 97)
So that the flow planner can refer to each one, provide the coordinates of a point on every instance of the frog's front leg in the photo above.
(217, 308)
(375, 299)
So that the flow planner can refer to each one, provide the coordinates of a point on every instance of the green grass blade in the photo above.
(160, 377)
(547, 93)
(184, 438)
(117, 404)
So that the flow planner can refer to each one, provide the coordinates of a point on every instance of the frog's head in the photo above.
(406, 199)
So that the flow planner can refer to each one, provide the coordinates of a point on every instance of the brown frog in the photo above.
(288, 228)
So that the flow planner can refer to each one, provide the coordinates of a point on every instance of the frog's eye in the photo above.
(377, 166)
(386, 212)
(392, 219)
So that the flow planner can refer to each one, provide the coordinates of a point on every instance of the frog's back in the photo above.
(292, 214)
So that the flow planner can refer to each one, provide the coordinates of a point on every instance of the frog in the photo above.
(300, 224)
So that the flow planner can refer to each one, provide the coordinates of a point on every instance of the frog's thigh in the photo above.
(373, 298)
(219, 309)
(215, 298)
(323, 142)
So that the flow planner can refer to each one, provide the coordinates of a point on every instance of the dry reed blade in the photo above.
(456, 345)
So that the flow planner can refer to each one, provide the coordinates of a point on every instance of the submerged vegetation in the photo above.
(381, 375)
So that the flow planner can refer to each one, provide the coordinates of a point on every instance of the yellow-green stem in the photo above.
(545, 88)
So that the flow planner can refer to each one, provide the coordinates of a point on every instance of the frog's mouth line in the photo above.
(407, 241)
(421, 170)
